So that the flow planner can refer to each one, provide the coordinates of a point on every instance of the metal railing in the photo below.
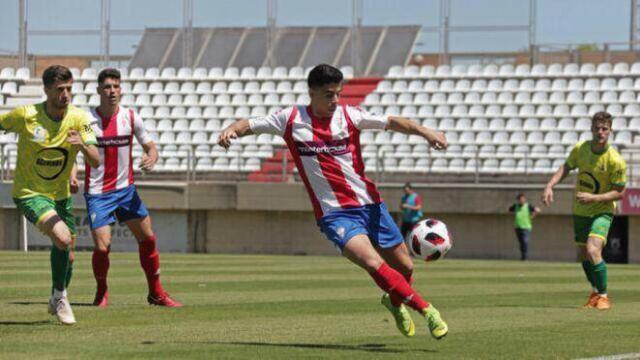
(524, 165)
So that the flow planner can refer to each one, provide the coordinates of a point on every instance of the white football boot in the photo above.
(61, 308)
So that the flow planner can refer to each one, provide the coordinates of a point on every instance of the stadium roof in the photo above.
(381, 47)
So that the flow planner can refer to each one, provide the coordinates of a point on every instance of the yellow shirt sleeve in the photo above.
(619, 173)
(84, 128)
(572, 160)
(13, 121)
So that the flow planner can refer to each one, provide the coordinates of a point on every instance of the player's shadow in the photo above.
(46, 303)
(375, 348)
(543, 306)
(27, 323)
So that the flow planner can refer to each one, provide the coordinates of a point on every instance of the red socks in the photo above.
(150, 262)
(396, 300)
(100, 263)
(393, 283)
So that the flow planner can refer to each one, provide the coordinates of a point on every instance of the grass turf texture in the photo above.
(314, 307)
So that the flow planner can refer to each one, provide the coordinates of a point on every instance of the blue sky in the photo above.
(559, 21)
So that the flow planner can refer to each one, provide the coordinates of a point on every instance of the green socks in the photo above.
(600, 277)
(60, 273)
(67, 280)
(588, 270)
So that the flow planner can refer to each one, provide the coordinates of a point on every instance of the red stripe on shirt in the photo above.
(110, 129)
(288, 138)
(132, 120)
(331, 169)
(356, 156)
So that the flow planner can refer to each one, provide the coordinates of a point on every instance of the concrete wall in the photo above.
(277, 219)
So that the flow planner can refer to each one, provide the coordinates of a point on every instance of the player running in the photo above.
(50, 135)
(324, 139)
(601, 181)
(110, 192)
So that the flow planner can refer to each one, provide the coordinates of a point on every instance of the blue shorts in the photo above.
(372, 220)
(123, 205)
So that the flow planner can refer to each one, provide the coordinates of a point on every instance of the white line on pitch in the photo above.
(630, 356)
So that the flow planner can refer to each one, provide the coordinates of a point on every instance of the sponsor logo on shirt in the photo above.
(117, 141)
(50, 162)
(334, 147)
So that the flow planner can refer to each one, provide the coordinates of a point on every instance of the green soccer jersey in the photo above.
(45, 158)
(597, 174)
(522, 218)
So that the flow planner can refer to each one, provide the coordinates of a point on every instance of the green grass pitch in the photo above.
(290, 307)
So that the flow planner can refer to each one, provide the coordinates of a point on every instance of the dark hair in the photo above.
(56, 73)
(408, 185)
(109, 73)
(602, 116)
(322, 75)
(521, 195)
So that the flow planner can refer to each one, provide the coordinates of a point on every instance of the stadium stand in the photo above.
(498, 119)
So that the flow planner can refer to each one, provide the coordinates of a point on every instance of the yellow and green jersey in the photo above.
(45, 158)
(597, 174)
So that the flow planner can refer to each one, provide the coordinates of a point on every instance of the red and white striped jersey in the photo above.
(327, 153)
(115, 143)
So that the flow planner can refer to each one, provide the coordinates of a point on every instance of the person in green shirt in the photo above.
(524, 214)
(50, 135)
(601, 182)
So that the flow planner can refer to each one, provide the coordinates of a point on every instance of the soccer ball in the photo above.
(429, 239)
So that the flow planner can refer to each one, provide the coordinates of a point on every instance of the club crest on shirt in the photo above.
(39, 134)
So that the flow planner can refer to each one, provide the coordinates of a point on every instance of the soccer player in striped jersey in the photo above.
(110, 191)
(324, 139)
(601, 182)
(50, 136)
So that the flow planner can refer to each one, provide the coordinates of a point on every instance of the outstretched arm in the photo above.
(436, 139)
(236, 130)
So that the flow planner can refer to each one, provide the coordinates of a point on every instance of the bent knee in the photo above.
(103, 246)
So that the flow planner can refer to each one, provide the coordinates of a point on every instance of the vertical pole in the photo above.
(105, 31)
(532, 22)
(25, 242)
(445, 13)
(633, 25)
(356, 37)
(22, 33)
(272, 8)
(187, 33)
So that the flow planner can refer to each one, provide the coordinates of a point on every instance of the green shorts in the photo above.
(36, 207)
(597, 226)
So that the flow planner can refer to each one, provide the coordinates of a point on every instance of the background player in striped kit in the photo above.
(110, 191)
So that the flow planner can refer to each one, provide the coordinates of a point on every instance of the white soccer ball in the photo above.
(429, 239)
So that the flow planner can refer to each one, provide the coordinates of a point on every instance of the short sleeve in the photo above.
(512, 208)
(532, 208)
(85, 130)
(275, 123)
(364, 120)
(619, 173)
(139, 131)
(572, 160)
(13, 121)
